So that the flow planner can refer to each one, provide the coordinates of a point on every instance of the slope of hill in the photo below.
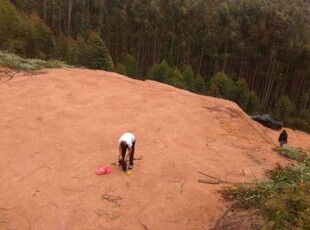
(57, 127)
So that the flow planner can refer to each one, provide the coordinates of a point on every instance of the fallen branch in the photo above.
(135, 159)
(10, 73)
(144, 226)
(245, 220)
(209, 181)
(208, 175)
(138, 158)
(218, 180)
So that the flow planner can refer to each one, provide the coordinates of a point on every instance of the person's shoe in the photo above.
(124, 166)
(130, 167)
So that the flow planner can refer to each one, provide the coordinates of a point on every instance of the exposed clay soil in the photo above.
(57, 127)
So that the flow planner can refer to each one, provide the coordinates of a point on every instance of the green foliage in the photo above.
(16, 62)
(24, 40)
(298, 123)
(213, 90)
(289, 205)
(304, 100)
(253, 102)
(191, 82)
(160, 72)
(176, 79)
(283, 108)
(184, 80)
(266, 43)
(240, 94)
(293, 153)
(221, 86)
(199, 85)
(189, 77)
(9, 19)
(131, 67)
(99, 56)
(121, 69)
(62, 47)
(72, 56)
(27, 36)
(43, 38)
(250, 196)
(16, 33)
(82, 52)
(305, 115)
(246, 99)
(284, 199)
(289, 209)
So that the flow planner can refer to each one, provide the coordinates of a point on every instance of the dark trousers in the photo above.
(124, 147)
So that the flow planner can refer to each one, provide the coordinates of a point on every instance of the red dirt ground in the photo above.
(57, 127)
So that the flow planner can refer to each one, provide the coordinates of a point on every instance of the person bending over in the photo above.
(126, 150)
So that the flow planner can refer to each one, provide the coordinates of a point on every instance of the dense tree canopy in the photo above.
(261, 46)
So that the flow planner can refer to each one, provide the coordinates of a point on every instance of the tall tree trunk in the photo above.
(246, 67)
(155, 37)
(225, 57)
(44, 11)
(87, 15)
(70, 5)
(142, 56)
(178, 57)
(53, 15)
(267, 83)
(271, 83)
(149, 57)
(171, 52)
(155, 46)
(201, 59)
(188, 53)
(298, 93)
(139, 49)
(285, 81)
(59, 18)
(158, 56)
(241, 64)
(254, 76)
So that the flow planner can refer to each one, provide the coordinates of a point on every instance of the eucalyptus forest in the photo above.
(253, 52)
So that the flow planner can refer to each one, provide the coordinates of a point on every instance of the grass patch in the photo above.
(297, 154)
(16, 62)
(283, 201)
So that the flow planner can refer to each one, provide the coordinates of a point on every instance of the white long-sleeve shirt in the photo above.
(129, 138)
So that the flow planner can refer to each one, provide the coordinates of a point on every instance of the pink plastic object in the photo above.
(103, 169)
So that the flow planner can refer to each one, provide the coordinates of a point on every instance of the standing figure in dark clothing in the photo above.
(283, 138)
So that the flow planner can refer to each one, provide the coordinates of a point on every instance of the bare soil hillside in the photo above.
(57, 127)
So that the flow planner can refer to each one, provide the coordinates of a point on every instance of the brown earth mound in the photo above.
(57, 127)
